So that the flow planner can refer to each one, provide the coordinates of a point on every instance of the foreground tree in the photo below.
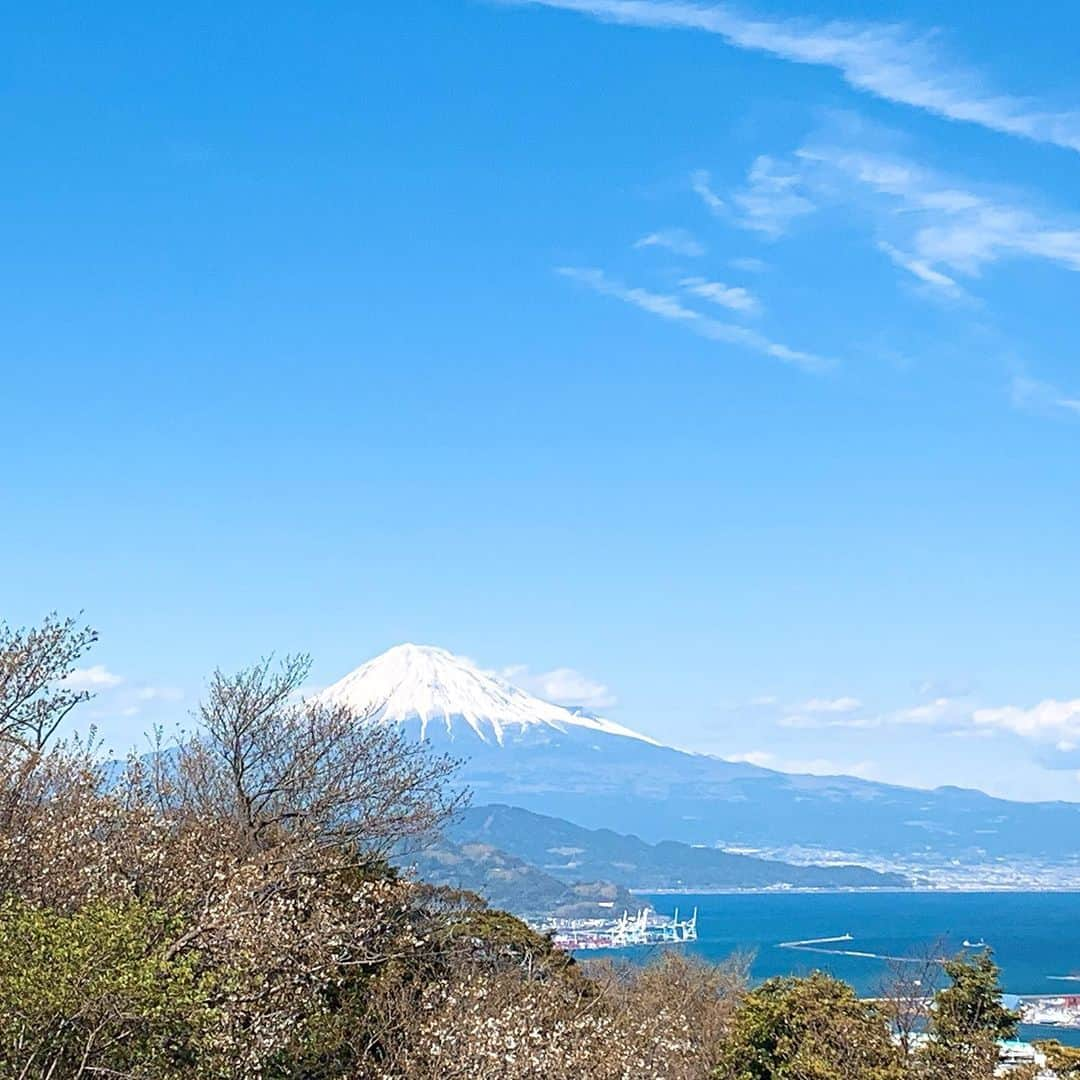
(908, 995)
(808, 1029)
(967, 1022)
(97, 990)
(661, 1021)
(677, 1011)
(283, 772)
(254, 849)
(35, 663)
(1064, 1060)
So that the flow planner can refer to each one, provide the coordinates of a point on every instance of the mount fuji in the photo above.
(545, 758)
(445, 698)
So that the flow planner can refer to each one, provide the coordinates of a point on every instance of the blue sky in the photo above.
(720, 360)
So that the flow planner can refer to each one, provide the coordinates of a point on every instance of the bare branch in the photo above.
(34, 662)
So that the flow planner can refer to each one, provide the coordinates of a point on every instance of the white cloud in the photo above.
(922, 270)
(935, 227)
(1053, 722)
(1041, 397)
(126, 700)
(946, 223)
(771, 199)
(749, 264)
(701, 182)
(819, 721)
(563, 686)
(820, 713)
(797, 720)
(940, 710)
(668, 307)
(680, 241)
(887, 60)
(831, 705)
(122, 697)
(159, 693)
(733, 297)
(97, 677)
(944, 687)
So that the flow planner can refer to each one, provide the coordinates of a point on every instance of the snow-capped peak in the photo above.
(428, 684)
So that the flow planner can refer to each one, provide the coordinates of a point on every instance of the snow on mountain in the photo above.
(518, 750)
(430, 686)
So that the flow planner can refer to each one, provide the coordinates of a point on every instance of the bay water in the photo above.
(1035, 936)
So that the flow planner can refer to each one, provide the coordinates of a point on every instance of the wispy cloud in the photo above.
(670, 308)
(124, 700)
(563, 686)
(945, 687)
(1054, 725)
(922, 270)
(749, 264)
(887, 60)
(1050, 729)
(733, 297)
(942, 710)
(951, 223)
(771, 199)
(831, 705)
(1040, 397)
(158, 693)
(680, 241)
(818, 714)
(938, 228)
(814, 722)
(97, 677)
(701, 182)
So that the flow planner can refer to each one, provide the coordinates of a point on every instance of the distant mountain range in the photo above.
(513, 884)
(570, 764)
(571, 853)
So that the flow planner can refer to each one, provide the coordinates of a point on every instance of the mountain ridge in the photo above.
(626, 860)
(569, 764)
(509, 882)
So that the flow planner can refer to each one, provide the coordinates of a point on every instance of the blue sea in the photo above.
(1035, 936)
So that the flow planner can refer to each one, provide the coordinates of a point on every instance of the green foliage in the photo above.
(1064, 1060)
(501, 936)
(967, 1021)
(808, 1029)
(972, 1004)
(96, 991)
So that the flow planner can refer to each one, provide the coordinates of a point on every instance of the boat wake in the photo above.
(818, 945)
(814, 941)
